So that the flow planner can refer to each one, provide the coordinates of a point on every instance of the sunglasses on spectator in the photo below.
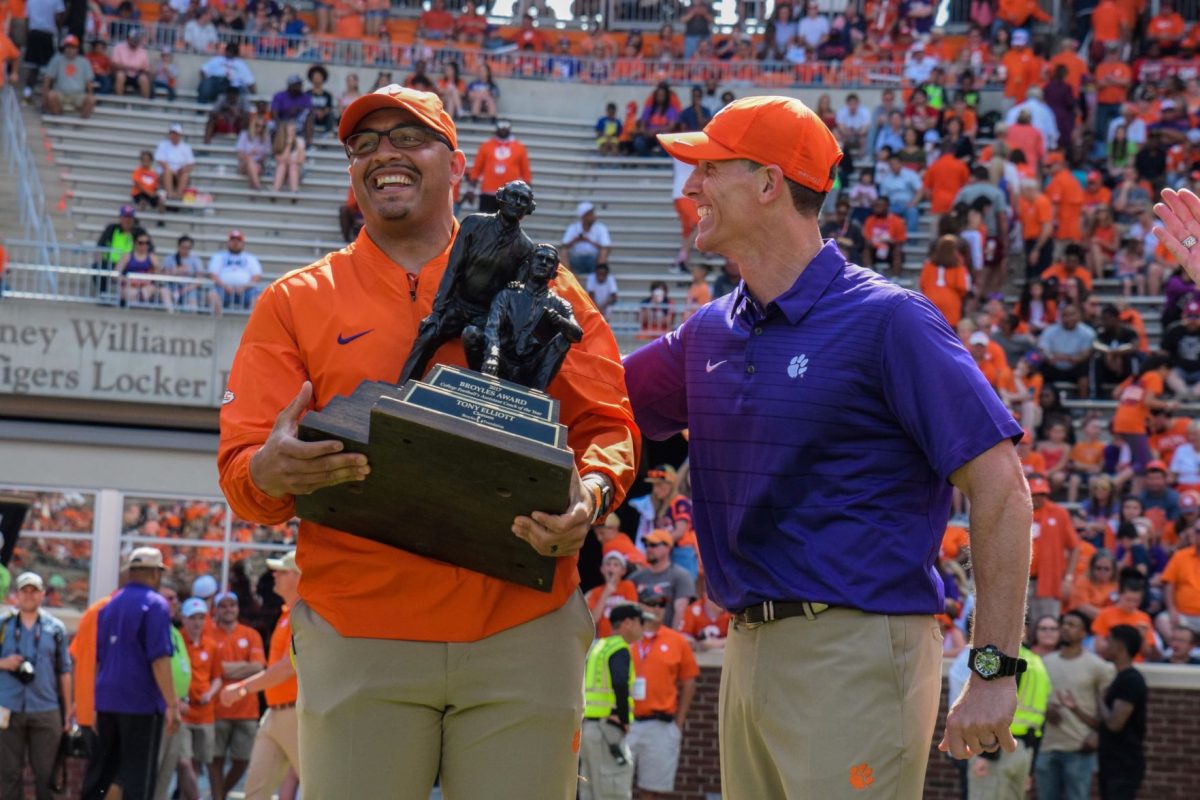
(402, 137)
(142, 241)
(657, 544)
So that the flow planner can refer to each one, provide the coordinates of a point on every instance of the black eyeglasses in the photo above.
(142, 241)
(403, 137)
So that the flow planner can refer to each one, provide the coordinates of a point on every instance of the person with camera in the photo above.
(605, 762)
(34, 668)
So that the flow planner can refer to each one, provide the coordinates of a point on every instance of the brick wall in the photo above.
(1172, 742)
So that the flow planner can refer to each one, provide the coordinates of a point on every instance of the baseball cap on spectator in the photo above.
(146, 558)
(294, 79)
(1189, 502)
(204, 587)
(616, 555)
(663, 472)
(425, 106)
(624, 612)
(764, 130)
(1054, 157)
(1167, 104)
(127, 211)
(30, 579)
(1020, 37)
(1038, 485)
(70, 40)
(583, 208)
(503, 125)
(226, 595)
(1192, 309)
(659, 536)
(285, 563)
(175, 128)
(1156, 466)
(237, 234)
(193, 606)
(651, 596)
(979, 338)
(1094, 177)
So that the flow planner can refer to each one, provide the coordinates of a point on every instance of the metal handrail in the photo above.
(36, 225)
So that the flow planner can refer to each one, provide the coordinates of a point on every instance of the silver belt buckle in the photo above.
(768, 608)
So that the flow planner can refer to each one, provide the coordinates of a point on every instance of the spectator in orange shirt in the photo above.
(1113, 79)
(1070, 268)
(1018, 12)
(1182, 581)
(1023, 135)
(1097, 589)
(706, 624)
(945, 280)
(1022, 67)
(1037, 223)
(1077, 68)
(1055, 550)
(498, 161)
(1086, 459)
(612, 540)
(1166, 28)
(1137, 397)
(528, 37)
(145, 191)
(199, 710)
(242, 656)
(943, 180)
(437, 23)
(664, 688)
(1066, 196)
(1126, 610)
(615, 591)
(1109, 25)
(885, 234)
(699, 292)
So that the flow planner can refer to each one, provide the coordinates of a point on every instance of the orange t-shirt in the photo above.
(1132, 412)
(1086, 593)
(359, 585)
(1088, 453)
(699, 624)
(1059, 272)
(1033, 215)
(1167, 27)
(281, 643)
(1132, 9)
(946, 288)
(145, 181)
(499, 162)
(1112, 616)
(8, 52)
(242, 644)
(348, 19)
(1113, 70)
(698, 294)
(1034, 463)
(1183, 572)
(1076, 68)
(1132, 318)
(953, 541)
(942, 180)
(1022, 69)
(1066, 195)
(625, 594)
(663, 660)
(1165, 443)
(1107, 18)
(1102, 196)
(83, 656)
(622, 544)
(1053, 535)
(891, 228)
(206, 666)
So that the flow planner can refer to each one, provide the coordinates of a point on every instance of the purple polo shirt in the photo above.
(823, 431)
(286, 106)
(133, 631)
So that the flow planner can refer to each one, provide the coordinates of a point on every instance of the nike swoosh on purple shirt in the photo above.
(349, 339)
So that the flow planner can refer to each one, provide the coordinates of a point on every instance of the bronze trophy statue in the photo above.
(457, 454)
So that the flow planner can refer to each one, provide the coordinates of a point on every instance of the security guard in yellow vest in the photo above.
(1001, 775)
(605, 762)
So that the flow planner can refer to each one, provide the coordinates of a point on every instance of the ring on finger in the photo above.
(553, 549)
(1189, 242)
(991, 748)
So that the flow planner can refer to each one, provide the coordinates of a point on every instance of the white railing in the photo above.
(37, 228)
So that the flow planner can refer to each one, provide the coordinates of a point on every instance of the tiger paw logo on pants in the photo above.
(861, 776)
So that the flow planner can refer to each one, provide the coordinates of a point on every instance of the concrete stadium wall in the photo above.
(1173, 729)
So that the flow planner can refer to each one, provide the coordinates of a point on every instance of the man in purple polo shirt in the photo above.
(134, 688)
(293, 104)
(820, 510)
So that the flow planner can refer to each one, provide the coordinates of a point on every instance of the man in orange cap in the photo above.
(477, 674)
(785, 510)
(1055, 551)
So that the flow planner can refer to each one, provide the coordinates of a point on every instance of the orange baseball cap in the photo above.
(766, 130)
(1038, 485)
(425, 106)
(659, 536)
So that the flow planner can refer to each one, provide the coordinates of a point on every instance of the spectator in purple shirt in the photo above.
(134, 687)
(820, 512)
(293, 104)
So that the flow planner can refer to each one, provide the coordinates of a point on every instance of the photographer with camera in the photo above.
(605, 762)
(34, 668)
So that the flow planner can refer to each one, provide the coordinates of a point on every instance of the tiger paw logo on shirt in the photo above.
(861, 776)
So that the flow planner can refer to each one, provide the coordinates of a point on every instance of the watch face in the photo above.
(987, 664)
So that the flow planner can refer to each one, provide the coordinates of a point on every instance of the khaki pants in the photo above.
(603, 777)
(37, 732)
(825, 708)
(501, 716)
(275, 747)
(170, 751)
(1005, 777)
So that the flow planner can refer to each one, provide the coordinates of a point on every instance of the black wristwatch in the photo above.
(989, 663)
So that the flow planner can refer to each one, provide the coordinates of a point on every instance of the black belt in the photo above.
(771, 610)
(660, 716)
(282, 706)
